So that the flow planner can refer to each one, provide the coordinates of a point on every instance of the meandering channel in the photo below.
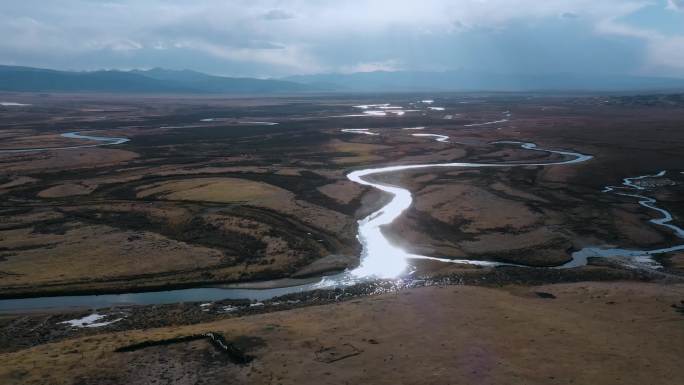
(103, 141)
(630, 257)
(379, 257)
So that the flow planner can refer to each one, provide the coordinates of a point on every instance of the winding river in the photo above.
(379, 259)
(439, 138)
(103, 141)
(628, 257)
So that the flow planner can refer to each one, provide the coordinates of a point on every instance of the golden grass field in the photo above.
(358, 153)
(189, 203)
(598, 333)
(95, 252)
(221, 190)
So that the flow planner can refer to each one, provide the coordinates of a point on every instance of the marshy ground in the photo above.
(207, 193)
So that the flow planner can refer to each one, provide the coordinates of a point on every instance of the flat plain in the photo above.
(214, 191)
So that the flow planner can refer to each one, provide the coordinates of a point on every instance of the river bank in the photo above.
(516, 335)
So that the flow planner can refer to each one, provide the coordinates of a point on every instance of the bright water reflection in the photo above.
(379, 257)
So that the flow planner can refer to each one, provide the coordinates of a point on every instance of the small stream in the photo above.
(633, 258)
(103, 141)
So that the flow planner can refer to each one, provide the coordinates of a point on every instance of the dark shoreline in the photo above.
(21, 327)
(47, 291)
(496, 277)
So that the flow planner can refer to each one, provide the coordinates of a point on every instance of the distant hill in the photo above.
(159, 80)
(40, 80)
(481, 81)
(152, 81)
(220, 84)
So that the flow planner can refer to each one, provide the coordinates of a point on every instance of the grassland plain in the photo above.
(605, 333)
(254, 201)
(192, 202)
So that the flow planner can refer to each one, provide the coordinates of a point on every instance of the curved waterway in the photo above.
(379, 259)
(439, 138)
(103, 141)
(631, 257)
(362, 131)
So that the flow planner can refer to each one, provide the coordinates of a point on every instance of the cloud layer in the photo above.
(276, 37)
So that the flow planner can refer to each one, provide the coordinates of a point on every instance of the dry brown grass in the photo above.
(635, 226)
(356, 148)
(221, 190)
(91, 252)
(18, 181)
(677, 261)
(359, 152)
(482, 209)
(67, 190)
(360, 159)
(342, 191)
(591, 333)
(27, 139)
(491, 225)
(65, 159)
(234, 190)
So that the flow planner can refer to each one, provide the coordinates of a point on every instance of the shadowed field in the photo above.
(210, 192)
(251, 200)
(616, 333)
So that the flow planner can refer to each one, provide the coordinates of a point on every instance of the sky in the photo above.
(276, 38)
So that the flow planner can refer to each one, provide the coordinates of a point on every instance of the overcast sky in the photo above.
(277, 38)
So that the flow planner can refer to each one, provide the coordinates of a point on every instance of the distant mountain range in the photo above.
(151, 81)
(160, 80)
(219, 84)
(482, 81)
